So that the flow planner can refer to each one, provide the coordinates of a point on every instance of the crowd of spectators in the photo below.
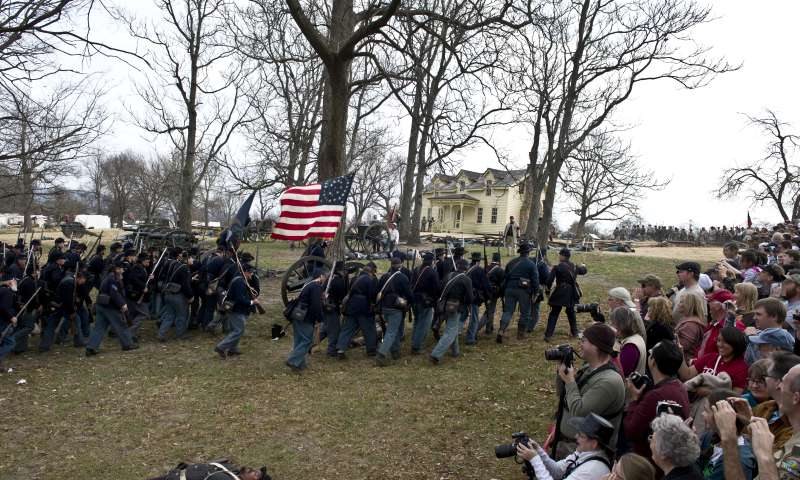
(700, 380)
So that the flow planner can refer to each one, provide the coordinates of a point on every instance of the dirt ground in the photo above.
(698, 254)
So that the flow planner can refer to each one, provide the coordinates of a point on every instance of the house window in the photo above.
(461, 186)
(522, 187)
(488, 188)
(480, 216)
(494, 215)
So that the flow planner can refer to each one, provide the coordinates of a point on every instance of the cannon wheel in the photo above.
(299, 274)
(376, 234)
(353, 241)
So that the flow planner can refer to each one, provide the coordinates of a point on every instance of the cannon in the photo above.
(369, 240)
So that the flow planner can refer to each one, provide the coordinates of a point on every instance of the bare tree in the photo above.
(194, 91)
(337, 48)
(120, 173)
(773, 179)
(94, 174)
(285, 94)
(596, 52)
(150, 194)
(604, 182)
(44, 136)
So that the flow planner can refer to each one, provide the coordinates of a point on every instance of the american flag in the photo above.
(313, 210)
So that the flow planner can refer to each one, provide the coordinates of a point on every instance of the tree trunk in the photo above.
(543, 232)
(334, 123)
(407, 194)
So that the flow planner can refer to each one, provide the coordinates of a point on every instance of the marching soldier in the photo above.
(333, 305)
(26, 287)
(177, 297)
(242, 301)
(135, 279)
(8, 319)
(522, 279)
(358, 312)
(455, 297)
(96, 267)
(394, 299)
(481, 291)
(496, 277)
(70, 311)
(303, 330)
(215, 274)
(425, 288)
(111, 309)
(52, 274)
(58, 248)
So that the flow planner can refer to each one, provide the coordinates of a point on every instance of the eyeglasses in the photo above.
(757, 382)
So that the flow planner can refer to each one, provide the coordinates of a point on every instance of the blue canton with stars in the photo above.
(336, 190)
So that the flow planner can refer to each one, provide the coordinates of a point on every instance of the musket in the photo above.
(10, 328)
(253, 293)
(141, 299)
(89, 251)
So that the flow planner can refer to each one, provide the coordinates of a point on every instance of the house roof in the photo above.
(456, 196)
(502, 179)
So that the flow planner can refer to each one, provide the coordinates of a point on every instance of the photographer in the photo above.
(596, 387)
(590, 461)
(664, 362)
(566, 293)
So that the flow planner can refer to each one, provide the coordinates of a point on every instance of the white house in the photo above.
(473, 202)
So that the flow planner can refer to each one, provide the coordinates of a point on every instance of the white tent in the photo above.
(94, 221)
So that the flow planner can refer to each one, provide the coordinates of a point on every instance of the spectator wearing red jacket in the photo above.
(664, 362)
(720, 318)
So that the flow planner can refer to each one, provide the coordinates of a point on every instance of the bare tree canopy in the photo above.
(581, 60)
(773, 179)
(195, 93)
(604, 182)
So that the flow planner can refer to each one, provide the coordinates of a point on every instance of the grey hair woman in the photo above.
(675, 447)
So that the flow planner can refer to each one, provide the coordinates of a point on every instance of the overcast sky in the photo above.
(688, 136)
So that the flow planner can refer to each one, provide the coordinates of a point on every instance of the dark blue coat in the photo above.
(114, 290)
(481, 289)
(311, 296)
(460, 288)
(7, 310)
(399, 286)
(496, 275)
(425, 281)
(519, 268)
(65, 294)
(239, 294)
(362, 294)
(565, 275)
(179, 273)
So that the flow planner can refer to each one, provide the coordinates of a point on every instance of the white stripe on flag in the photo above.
(308, 221)
(301, 188)
(297, 196)
(318, 208)
(294, 233)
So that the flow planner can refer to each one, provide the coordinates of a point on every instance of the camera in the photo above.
(510, 449)
(587, 308)
(668, 406)
(592, 309)
(638, 380)
(563, 353)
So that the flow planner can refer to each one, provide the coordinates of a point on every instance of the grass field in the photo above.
(130, 415)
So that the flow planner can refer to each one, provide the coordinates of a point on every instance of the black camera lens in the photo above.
(506, 450)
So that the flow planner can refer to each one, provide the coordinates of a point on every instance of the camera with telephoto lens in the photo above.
(638, 380)
(563, 353)
(510, 449)
(592, 309)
